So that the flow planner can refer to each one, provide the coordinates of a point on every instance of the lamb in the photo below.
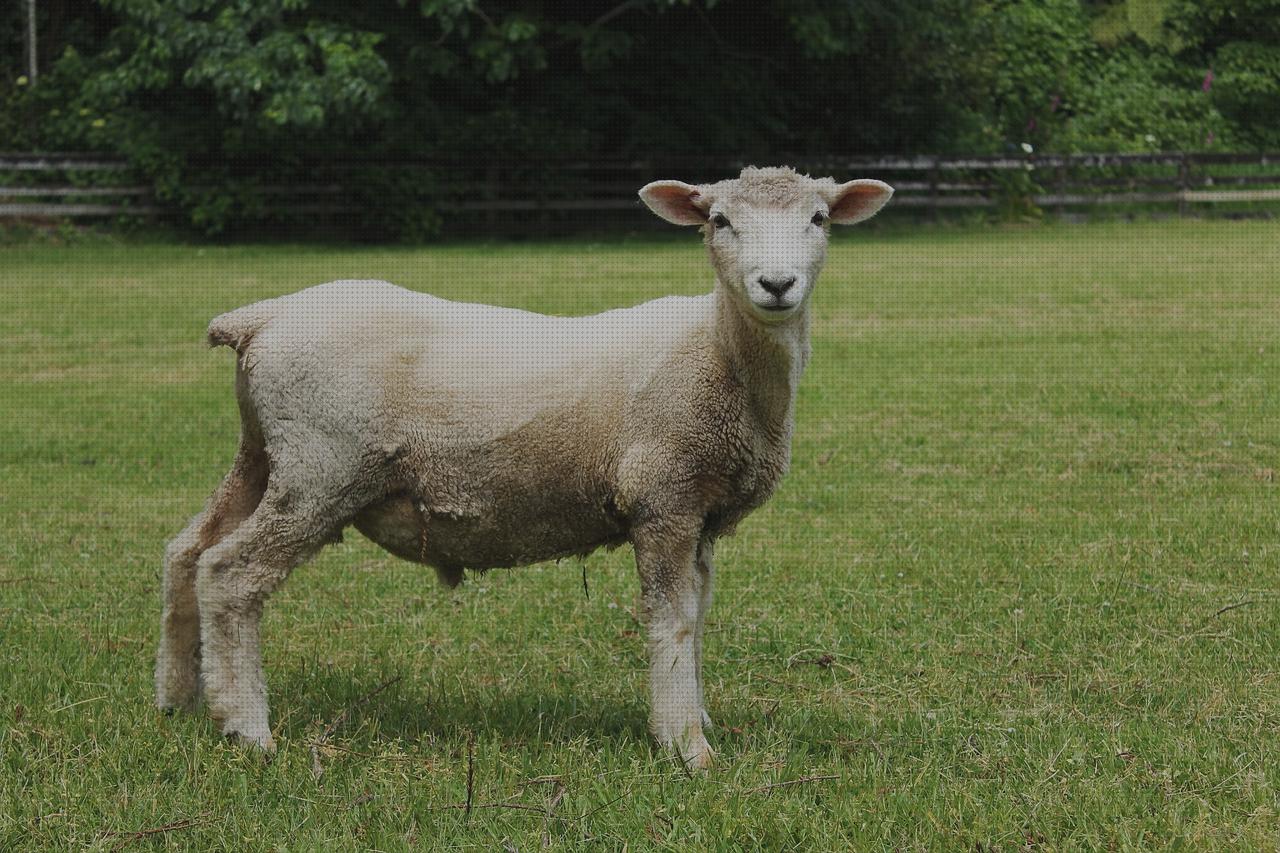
(468, 436)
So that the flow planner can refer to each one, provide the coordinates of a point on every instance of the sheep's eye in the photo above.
(720, 221)
(819, 218)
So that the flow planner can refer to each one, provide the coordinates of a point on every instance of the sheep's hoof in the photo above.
(178, 689)
(264, 743)
(700, 760)
(170, 706)
(695, 752)
(690, 746)
(248, 733)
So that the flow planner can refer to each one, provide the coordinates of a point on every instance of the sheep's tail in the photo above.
(236, 328)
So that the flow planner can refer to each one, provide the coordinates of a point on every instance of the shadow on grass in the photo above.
(415, 708)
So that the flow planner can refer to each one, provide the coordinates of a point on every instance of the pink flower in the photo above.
(1054, 102)
(1208, 81)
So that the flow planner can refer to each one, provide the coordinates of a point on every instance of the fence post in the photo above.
(933, 190)
(1184, 184)
(1061, 182)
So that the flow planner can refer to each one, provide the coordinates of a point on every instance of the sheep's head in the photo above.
(767, 229)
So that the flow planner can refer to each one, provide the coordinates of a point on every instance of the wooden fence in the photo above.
(73, 185)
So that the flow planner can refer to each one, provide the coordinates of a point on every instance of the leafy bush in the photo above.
(1138, 100)
(222, 103)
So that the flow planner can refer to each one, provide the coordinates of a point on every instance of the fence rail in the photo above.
(80, 184)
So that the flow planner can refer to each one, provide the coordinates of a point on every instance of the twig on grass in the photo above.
(74, 704)
(854, 743)
(471, 768)
(825, 660)
(764, 789)
(777, 681)
(542, 780)
(524, 807)
(1231, 607)
(127, 838)
(599, 808)
(342, 718)
(317, 769)
(1151, 589)
(556, 797)
(412, 759)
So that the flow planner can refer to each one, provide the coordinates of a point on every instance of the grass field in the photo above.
(1021, 588)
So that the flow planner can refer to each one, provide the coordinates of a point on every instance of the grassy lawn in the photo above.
(1020, 588)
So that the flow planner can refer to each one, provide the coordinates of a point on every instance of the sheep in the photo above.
(467, 436)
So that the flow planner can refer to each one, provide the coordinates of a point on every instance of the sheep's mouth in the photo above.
(776, 307)
(773, 312)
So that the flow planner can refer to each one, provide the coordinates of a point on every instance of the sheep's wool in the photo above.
(775, 186)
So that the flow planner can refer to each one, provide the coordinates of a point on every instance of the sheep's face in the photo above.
(768, 257)
(767, 230)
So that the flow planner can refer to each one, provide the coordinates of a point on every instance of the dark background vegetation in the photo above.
(213, 99)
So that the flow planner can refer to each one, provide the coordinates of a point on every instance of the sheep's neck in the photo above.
(768, 359)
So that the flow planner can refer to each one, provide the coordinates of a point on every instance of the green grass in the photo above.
(1033, 469)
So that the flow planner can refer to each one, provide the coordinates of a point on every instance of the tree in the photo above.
(215, 99)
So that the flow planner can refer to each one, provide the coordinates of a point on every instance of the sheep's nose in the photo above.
(778, 286)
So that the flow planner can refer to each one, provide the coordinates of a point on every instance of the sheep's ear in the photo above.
(676, 202)
(857, 200)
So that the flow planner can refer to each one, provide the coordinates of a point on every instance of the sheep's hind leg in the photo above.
(234, 579)
(178, 656)
(673, 589)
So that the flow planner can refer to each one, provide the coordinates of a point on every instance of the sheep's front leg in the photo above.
(706, 577)
(672, 585)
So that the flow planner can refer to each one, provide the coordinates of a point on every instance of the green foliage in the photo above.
(1135, 100)
(1247, 90)
(1190, 73)
(255, 64)
(1148, 20)
(1021, 60)
(217, 99)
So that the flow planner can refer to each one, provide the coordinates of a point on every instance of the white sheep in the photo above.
(470, 436)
